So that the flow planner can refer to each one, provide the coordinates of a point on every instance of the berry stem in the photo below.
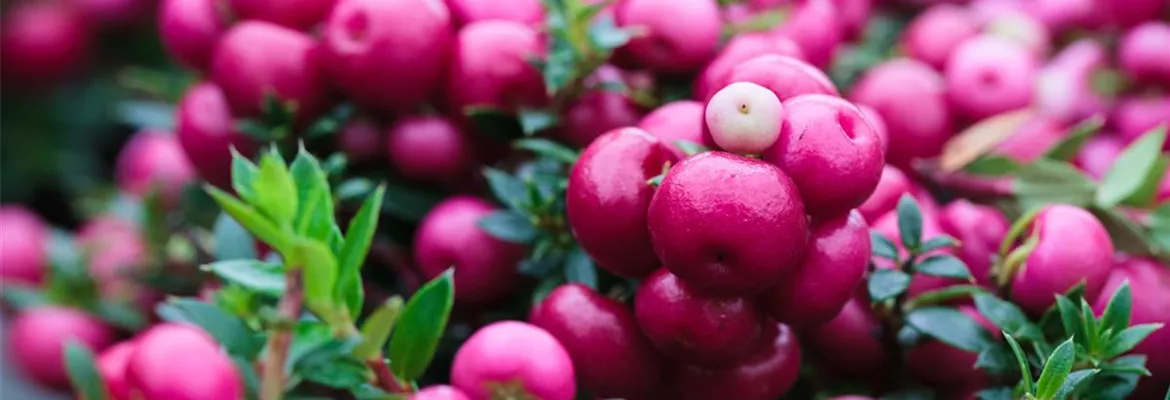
(272, 385)
(386, 379)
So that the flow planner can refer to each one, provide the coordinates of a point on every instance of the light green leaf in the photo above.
(251, 219)
(276, 192)
(254, 275)
(243, 174)
(319, 268)
(1047, 182)
(1132, 169)
(1068, 147)
(358, 238)
(420, 327)
(376, 329)
(314, 217)
(945, 294)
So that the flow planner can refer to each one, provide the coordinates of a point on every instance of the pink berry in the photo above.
(988, 75)
(744, 118)
(42, 42)
(207, 373)
(491, 67)
(190, 30)
(680, 35)
(361, 140)
(1098, 155)
(430, 149)
(825, 140)
(1021, 29)
(388, 55)
(296, 14)
(1143, 52)
(528, 12)
(1129, 13)
(512, 359)
(117, 249)
(980, 230)
(289, 69)
(785, 76)
(911, 98)
(689, 326)
(207, 132)
(853, 14)
(728, 224)
(154, 161)
(1149, 284)
(38, 336)
(1064, 86)
(449, 236)
(767, 373)
(1135, 116)
(678, 120)
(933, 35)
(1071, 246)
(111, 364)
(891, 186)
(1032, 139)
(850, 344)
(816, 27)
(611, 356)
(878, 124)
(23, 246)
(608, 199)
(839, 252)
(439, 392)
(1061, 15)
(741, 48)
(598, 111)
(945, 367)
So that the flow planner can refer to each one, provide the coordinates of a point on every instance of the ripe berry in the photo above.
(296, 14)
(207, 132)
(911, 98)
(207, 373)
(598, 111)
(42, 43)
(154, 161)
(850, 345)
(289, 69)
(190, 29)
(1071, 246)
(491, 67)
(689, 326)
(787, 77)
(111, 364)
(767, 373)
(681, 35)
(23, 247)
(980, 230)
(430, 149)
(988, 75)
(816, 27)
(678, 120)
(891, 186)
(744, 118)
(741, 48)
(509, 360)
(933, 35)
(38, 336)
(528, 12)
(449, 236)
(1143, 52)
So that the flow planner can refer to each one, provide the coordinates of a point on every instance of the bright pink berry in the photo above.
(744, 118)
(728, 224)
(190, 30)
(111, 364)
(154, 161)
(680, 35)
(608, 199)
(767, 373)
(854, 15)
(980, 230)
(878, 124)
(430, 149)
(449, 236)
(512, 359)
(207, 372)
(289, 69)
(1129, 13)
(891, 186)
(988, 75)
(1021, 29)
(296, 14)
(23, 246)
(678, 120)
(933, 35)
(816, 27)
(1071, 246)
(207, 132)
(1060, 15)
(1064, 87)
(741, 48)
(1149, 284)
(1135, 116)
(492, 67)
(946, 367)
(388, 55)
(825, 140)
(1098, 154)
(911, 98)
(528, 12)
(1032, 139)
(1144, 51)
(37, 338)
(598, 111)
(785, 76)
(42, 42)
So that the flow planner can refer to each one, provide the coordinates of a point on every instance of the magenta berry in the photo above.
(114, 13)
(946, 367)
(678, 120)
(289, 69)
(111, 364)
(739, 236)
(878, 124)
(512, 359)
(1143, 52)
(430, 149)
(1029, 142)
(767, 373)
(980, 230)
(388, 55)
(449, 236)
(1021, 29)
(1150, 290)
(988, 75)
(207, 374)
(825, 139)
(361, 140)
(528, 12)
(853, 14)
(207, 132)
(839, 251)
(23, 246)
(1135, 116)
(1071, 246)
(681, 35)
(891, 186)
(598, 111)
(816, 27)
(608, 199)
(491, 67)
(785, 76)
(1098, 154)
(42, 43)
(296, 14)
(1061, 15)
(439, 392)
(934, 34)
(190, 30)
(154, 161)
(911, 98)
(1128, 13)
(687, 325)
(37, 338)
(744, 118)
(741, 48)
(850, 344)
(1064, 87)
(611, 356)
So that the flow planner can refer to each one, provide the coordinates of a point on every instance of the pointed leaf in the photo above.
(945, 266)
(689, 148)
(547, 148)
(950, 326)
(938, 242)
(1090, 322)
(1022, 360)
(376, 329)
(1056, 370)
(507, 188)
(1047, 182)
(314, 217)
(1068, 147)
(887, 283)
(251, 219)
(232, 241)
(358, 238)
(420, 327)
(909, 222)
(992, 165)
(1070, 317)
(1075, 381)
(1132, 169)
(1117, 313)
(533, 121)
(882, 247)
(579, 268)
(508, 226)
(84, 377)
(243, 174)
(275, 190)
(254, 275)
(1007, 317)
(1127, 339)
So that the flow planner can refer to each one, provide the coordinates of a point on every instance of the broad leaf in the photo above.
(314, 217)
(251, 219)
(254, 275)
(376, 329)
(232, 241)
(275, 190)
(507, 188)
(887, 283)
(882, 247)
(1067, 148)
(950, 326)
(84, 377)
(1117, 313)
(945, 266)
(1047, 182)
(320, 272)
(909, 222)
(1132, 169)
(1007, 316)
(1056, 370)
(509, 226)
(579, 268)
(420, 327)
(1127, 339)
(938, 242)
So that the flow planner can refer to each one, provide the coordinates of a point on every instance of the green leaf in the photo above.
(120, 314)
(508, 226)
(656, 181)
(84, 377)
(998, 393)
(605, 35)
(946, 294)
(579, 268)
(945, 266)
(909, 222)
(510, 190)
(232, 241)
(689, 148)
(408, 203)
(547, 148)
(376, 329)
(882, 247)
(309, 338)
(950, 326)
(992, 165)
(342, 373)
(1091, 329)
(254, 275)
(229, 330)
(938, 242)
(1128, 235)
(420, 327)
(1007, 316)
(1132, 169)
(1160, 227)
(248, 374)
(1056, 370)
(1117, 313)
(533, 121)
(1022, 360)
(1127, 339)
(1068, 147)
(319, 266)
(1047, 182)
(996, 359)
(887, 283)
(1070, 317)
(21, 297)
(559, 68)
(275, 190)
(358, 238)
(251, 219)
(314, 216)
(495, 123)
(1131, 364)
(1074, 382)
(243, 175)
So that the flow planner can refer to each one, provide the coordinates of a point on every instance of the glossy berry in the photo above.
(1133, 117)
(988, 75)
(850, 345)
(111, 364)
(598, 111)
(681, 35)
(491, 67)
(290, 69)
(933, 35)
(430, 149)
(678, 120)
(723, 235)
(23, 246)
(528, 12)
(36, 341)
(980, 230)
(296, 14)
(689, 326)
(1071, 246)
(449, 236)
(512, 359)
(361, 140)
(207, 132)
(1143, 53)
(767, 373)
(816, 27)
(911, 98)
(207, 374)
(744, 118)
(190, 30)
(739, 49)
(785, 76)
(891, 186)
